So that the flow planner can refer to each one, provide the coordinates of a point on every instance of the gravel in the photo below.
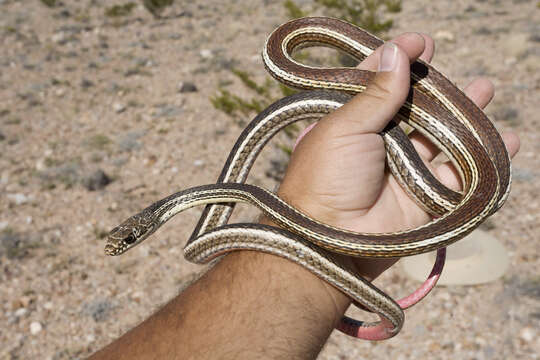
(68, 109)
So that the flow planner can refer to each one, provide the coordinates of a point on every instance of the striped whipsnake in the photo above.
(435, 108)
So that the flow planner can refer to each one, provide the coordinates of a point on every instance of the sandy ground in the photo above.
(81, 92)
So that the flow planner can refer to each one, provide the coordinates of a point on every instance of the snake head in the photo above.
(128, 234)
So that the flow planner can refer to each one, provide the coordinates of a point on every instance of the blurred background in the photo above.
(108, 106)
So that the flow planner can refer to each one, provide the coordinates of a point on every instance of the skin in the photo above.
(254, 305)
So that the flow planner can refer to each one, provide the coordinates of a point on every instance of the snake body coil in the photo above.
(435, 107)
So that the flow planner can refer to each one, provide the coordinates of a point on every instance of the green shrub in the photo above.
(156, 7)
(367, 14)
(49, 3)
(120, 10)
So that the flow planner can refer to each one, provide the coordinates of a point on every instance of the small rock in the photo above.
(206, 53)
(26, 301)
(18, 198)
(483, 30)
(64, 13)
(35, 327)
(71, 54)
(143, 61)
(445, 35)
(85, 83)
(48, 305)
(60, 92)
(186, 86)
(15, 246)
(21, 312)
(118, 107)
(534, 38)
(198, 163)
(527, 334)
(59, 37)
(96, 181)
(276, 170)
(137, 296)
(98, 310)
(2, 137)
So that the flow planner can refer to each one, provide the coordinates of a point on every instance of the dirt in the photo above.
(101, 116)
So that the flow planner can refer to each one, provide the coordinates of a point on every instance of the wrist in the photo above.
(334, 302)
(287, 299)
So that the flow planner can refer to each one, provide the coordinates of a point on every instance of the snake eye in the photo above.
(130, 239)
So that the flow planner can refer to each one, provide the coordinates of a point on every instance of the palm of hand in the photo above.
(348, 185)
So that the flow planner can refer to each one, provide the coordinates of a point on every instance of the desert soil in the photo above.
(98, 120)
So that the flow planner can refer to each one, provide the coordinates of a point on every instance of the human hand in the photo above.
(336, 174)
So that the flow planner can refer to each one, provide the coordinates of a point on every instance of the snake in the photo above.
(435, 108)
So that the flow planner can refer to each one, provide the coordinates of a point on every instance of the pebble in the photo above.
(527, 334)
(3, 225)
(198, 163)
(99, 310)
(20, 312)
(137, 296)
(118, 108)
(186, 86)
(25, 300)
(534, 38)
(60, 92)
(445, 35)
(85, 83)
(35, 327)
(96, 180)
(58, 37)
(18, 198)
(206, 53)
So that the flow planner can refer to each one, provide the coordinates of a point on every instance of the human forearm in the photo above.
(249, 305)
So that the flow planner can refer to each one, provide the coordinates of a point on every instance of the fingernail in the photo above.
(388, 57)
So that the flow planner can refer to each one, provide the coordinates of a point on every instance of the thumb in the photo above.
(371, 110)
